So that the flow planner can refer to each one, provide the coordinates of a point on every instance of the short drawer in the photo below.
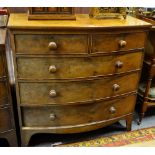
(76, 91)
(5, 119)
(57, 116)
(71, 67)
(3, 93)
(51, 44)
(105, 43)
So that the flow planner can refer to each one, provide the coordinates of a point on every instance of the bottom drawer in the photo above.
(5, 119)
(64, 115)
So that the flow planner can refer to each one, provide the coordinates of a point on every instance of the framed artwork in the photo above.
(51, 13)
(107, 12)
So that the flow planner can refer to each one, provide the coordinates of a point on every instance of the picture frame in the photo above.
(107, 12)
(48, 13)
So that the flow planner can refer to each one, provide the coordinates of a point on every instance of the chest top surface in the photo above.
(20, 21)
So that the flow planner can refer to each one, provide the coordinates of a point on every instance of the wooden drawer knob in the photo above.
(122, 43)
(112, 110)
(52, 69)
(119, 64)
(52, 46)
(52, 117)
(52, 93)
(116, 87)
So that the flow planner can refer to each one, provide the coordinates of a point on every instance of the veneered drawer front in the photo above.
(52, 116)
(117, 42)
(51, 44)
(77, 91)
(3, 93)
(39, 68)
(2, 69)
(5, 119)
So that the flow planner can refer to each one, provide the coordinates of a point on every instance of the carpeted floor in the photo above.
(144, 144)
(132, 138)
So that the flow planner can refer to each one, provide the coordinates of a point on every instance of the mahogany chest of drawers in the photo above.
(7, 124)
(75, 76)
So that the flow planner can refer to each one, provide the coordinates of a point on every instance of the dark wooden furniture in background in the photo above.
(60, 13)
(75, 76)
(78, 10)
(7, 124)
(145, 98)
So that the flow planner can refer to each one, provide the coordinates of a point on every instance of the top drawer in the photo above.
(104, 43)
(51, 44)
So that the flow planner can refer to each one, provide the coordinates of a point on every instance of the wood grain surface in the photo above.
(87, 81)
(82, 22)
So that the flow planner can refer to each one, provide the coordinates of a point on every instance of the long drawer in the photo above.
(51, 44)
(63, 67)
(66, 92)
(105, 43)
(5, 119)
(3, 93)
(51, 116)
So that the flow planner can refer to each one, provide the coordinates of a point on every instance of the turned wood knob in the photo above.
(119, 64)
(122, 43)
(112, 110)
(116, 87)
(52, 69)
(52, 93)
(52, 45)
(52, 117)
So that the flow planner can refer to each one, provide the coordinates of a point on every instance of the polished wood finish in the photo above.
(74, 88)
(7, 124)
(72, 115)
(77, 67)
(148, 72)
(65, 92)
(117, 42)
(19, 21)
(51, 44)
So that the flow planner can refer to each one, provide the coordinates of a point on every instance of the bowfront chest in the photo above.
(7, 124)
(75, 76)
